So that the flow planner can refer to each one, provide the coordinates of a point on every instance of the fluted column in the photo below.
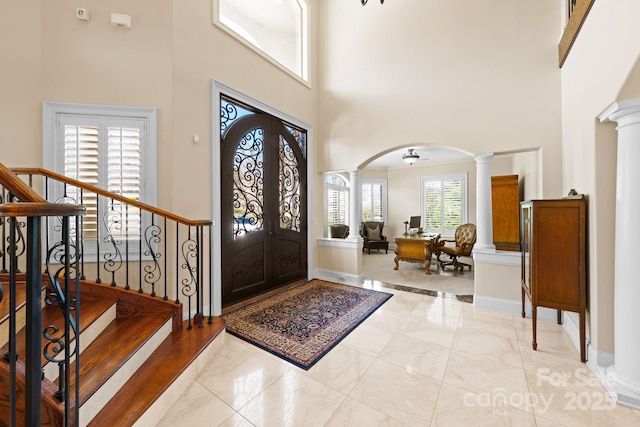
(625, 372)
(484, 215)
(354, 191)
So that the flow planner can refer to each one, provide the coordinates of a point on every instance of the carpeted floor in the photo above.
(303, 323)
(379, 266)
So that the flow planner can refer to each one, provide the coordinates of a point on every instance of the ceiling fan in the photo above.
(412, 156)
(365, 2)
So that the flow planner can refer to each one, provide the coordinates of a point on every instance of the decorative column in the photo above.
(354, 191)
(624, 374)
(484, 215)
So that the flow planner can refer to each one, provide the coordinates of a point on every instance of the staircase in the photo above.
(136, 353)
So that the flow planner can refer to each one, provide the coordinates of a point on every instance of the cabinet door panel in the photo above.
(558, 254)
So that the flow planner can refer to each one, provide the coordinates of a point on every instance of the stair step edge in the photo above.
(165, 401)
(92, 406)
(88, 334)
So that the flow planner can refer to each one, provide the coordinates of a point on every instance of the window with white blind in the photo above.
(373, 195)
(113, 148)
(444, 203)
(337, 188)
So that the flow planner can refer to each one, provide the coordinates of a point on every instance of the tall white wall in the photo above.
(480, 76)
(601, 68)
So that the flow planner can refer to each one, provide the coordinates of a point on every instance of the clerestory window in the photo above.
(276, 29)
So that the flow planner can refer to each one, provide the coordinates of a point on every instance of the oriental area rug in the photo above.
(303, 323)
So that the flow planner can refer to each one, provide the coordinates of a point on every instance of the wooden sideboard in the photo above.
(506, 195)
(554, 258)
(416, 249)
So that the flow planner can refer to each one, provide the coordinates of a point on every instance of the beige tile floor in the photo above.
(417, 361)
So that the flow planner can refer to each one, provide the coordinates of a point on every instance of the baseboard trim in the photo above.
(513, 307)
(337, 276)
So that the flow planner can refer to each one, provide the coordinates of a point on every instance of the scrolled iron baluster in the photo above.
(152, 237)
(166, 276)
(3, 224)
(18, 245)
(113, 260)
(189, 284)
(65, 254)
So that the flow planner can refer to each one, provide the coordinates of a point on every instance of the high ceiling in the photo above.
(427, 154)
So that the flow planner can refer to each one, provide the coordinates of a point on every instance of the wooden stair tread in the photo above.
(91, 309)
(21, 296)
(162, 368)
(111, 350)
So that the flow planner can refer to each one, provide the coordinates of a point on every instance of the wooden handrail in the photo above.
(96, 190)
(579, 14)
(17, 187)
(33, 209)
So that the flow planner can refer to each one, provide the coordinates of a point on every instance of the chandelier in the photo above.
(411, 157)
(365, 2)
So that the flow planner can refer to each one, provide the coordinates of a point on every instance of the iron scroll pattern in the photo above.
(231, 110)
(61, 264)
(19, 245)
(114, 226)
(248, 183)
(190, 249)
(152, 272)
(289, 188)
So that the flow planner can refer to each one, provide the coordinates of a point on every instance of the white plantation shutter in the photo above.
(432, 216)
(374, 200)
(124, 175)
(81, 159)
(338, 206)
(452, 202)
(444, 203)
(337, 200)
(106, 152)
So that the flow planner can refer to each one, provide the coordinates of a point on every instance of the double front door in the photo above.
(264, 215)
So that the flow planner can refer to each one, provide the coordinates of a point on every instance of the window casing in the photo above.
(113, 148)
(443, 203)
(373, 197)
(277, 30)
(337, 192)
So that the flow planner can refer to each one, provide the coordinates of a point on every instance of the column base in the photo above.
(623, 390)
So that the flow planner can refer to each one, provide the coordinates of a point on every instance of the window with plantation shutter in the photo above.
(81, 163)
(113, 148)
(444, 205)
(124, 174)
(374, 200)
(337, 200)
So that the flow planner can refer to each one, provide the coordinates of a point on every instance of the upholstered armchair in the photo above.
(371, 232)
(465, 238)
(338, 231)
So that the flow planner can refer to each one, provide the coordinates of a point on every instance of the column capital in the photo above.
(483, 158)
(621, 110)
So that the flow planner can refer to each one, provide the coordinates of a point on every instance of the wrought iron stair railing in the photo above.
(134, 245)
(85, 232)
(22, 208)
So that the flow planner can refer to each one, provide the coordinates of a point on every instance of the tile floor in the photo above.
(418, 360)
